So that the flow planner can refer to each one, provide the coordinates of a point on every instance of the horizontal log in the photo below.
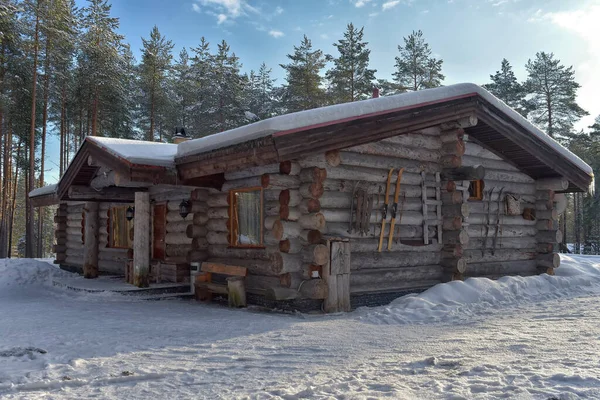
(218, 200)
(519, 243)
(546, 248)
(78, 223)
(199, 243)
(396, 150)
(549, 236)
(551, 215)
(277, 181)
(475, 150)
(314, 174)
(308, 206)
(292, 246)
(402, 232)
(366, 174)
(381, 162)
(491, 207)
(179, 226)
(386, 280)
(60, 219)
(225, 251)
(200, 218)
(314, 289)
(528, 267)
(289, 214)
(200, 195)
(507, 176)
(558, 184)
(74, 239)
(416, 140)
(473, 256)
(218, 225)
(487, 219)
(452, 223)
(366, 244)
(456, 237)
(217, 238)
(249, 172)
(290, 197)
(464, 173)
(74, 261)
(546, 205)
(496, 165)
(374, 188)
(222, 212)
(551, 260)
(464, 122)
(451, 198)
(478, 231)
(546, 225)
(454, 265)
(545, 195)
(285, 230)
(197, 256)
(511, 187)
(178, 250)
(310, 236)
(450, 161)
(456, 210)
(289, 168)
(174, 216)
(392, 259)
(311, 190)
(408, 217)
(115, 267)
(456, 148)
(314, 221)
(177, 238)
(74, 231)
(243, 183)
(315, 254)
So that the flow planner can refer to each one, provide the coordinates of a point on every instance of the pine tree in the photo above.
(416, 69)
(507, 88)
(101, 66)
(154, 70)
(182, 90)
(350, 78)
(304, 82)
(201, 70)
(261, 99)
(553, 91)
(228, 109)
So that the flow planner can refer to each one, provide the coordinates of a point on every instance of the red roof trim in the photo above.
(339, 121)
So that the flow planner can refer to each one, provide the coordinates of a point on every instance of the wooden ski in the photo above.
(385, 207)
(395, 208)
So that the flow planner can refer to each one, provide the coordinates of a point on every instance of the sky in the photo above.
(471, 36)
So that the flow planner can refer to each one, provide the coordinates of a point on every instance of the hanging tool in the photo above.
(385, 207)
(352, 207)
(400, 217)
(395, 208)
(494, 241)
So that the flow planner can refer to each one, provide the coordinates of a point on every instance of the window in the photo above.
(246, 227)
(119, 228)
(476, 190)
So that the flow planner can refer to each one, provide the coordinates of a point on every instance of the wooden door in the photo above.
(159, 231)
(337, 275)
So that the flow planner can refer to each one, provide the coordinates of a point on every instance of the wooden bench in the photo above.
(235, 289)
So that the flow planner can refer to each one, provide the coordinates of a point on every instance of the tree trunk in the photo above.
(14, 202)
(29, 239)
(41, 210)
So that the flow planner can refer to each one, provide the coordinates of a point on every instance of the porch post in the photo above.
(90, 246)
(141, 240)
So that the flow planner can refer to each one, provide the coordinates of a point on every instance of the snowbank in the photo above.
(22, 272)
(452, 301)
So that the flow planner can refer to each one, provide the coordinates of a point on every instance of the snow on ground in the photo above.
(518, 338)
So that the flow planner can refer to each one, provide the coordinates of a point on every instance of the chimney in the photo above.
(180, 136)
(375, 92)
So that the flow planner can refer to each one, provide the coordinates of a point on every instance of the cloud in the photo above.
(196, 8)
(360, 3)
(275, 33)
(324, 36)
(225, 10)
(373, 14)
(389, 4)
(583, 22)
(278, 10)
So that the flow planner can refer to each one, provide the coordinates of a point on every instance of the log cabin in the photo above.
(331, 208)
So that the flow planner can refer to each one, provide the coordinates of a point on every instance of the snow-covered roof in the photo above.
(139, 152)
(43, 191)
(338, 113)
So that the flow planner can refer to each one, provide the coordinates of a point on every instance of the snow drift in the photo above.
(22, 272)
(452, 301)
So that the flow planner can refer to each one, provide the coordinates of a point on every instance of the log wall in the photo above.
(73, 229)
(501, 244)
(409, 263)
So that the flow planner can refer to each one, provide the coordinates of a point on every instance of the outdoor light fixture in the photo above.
(129, 213)
(185, 207)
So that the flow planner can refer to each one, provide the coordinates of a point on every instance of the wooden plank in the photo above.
(212, 287)
(438, 198)
(224, 269)
(159, 231)
(141, 240)
(424, 199)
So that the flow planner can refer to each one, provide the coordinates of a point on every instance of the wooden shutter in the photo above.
(159, 231)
